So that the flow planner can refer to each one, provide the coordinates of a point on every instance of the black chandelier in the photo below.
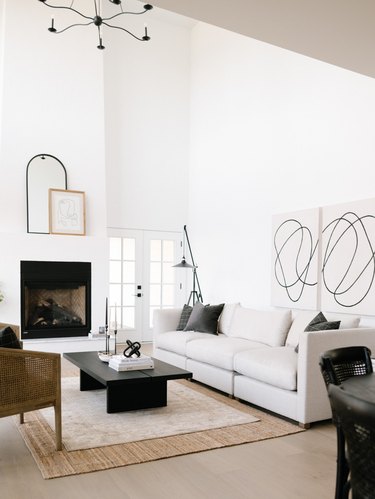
(98, 20)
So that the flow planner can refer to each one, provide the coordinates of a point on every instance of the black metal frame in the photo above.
(43, 156)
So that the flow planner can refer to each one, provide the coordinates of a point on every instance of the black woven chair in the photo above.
(338, 365)
(357, 422)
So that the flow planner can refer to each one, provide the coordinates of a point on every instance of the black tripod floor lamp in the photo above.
(195, 293)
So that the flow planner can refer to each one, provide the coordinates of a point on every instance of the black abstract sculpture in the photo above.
(132, 349)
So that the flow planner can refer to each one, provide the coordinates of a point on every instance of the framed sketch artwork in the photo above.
(67, 212)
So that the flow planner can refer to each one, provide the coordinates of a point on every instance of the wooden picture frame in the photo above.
(67, 213)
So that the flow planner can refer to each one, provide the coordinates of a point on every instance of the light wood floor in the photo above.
(300, 466)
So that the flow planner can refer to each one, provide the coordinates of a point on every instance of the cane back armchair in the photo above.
(30, 381)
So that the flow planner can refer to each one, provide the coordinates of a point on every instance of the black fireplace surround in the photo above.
(55, 299)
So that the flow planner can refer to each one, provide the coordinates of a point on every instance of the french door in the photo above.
(142, 279)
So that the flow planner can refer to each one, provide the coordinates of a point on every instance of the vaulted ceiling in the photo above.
(340, 32)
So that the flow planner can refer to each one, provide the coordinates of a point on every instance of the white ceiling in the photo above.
(340, 32)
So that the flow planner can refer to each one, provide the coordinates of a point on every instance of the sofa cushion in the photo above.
(176, 341)
(265, 326)
(184, 317)
(226, 317)
(275, 366)
(204, 318)
(218, 350)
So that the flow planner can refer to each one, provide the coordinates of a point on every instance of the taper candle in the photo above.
(106, 312)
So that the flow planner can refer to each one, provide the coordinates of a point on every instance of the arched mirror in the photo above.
(43, 172)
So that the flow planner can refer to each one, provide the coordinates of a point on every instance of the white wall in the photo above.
(53, 103)
(147, 94)
(272, 131)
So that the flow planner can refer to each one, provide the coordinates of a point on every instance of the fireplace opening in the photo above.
(55, 299)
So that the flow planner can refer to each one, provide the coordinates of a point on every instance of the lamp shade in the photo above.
(183, 264)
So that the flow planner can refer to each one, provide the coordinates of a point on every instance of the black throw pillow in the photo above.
(8, 338)
(320, 323)
(185, 314)
(204, 318)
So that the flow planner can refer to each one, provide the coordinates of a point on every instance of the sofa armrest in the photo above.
(312, 393)
(166, 320)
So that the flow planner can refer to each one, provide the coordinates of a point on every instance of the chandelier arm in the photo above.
(121, 13)
(66, 8)
(123, 29)
(73, 26)
(96, 8)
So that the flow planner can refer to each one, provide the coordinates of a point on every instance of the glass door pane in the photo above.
(161, 252)
(125, 270)
(142, 280)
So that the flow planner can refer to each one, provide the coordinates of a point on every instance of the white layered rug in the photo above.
(87, 425)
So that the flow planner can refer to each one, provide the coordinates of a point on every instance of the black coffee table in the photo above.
(129, 390)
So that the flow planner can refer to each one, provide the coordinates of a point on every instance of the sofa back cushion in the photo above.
(265, 326)
(304, 317)
(226, 318)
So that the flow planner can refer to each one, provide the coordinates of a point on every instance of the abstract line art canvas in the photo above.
(295, 259)
(348, 261)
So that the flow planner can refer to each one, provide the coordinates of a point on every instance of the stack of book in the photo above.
(122, 363)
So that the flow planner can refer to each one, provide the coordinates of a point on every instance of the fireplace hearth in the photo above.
(55, 299)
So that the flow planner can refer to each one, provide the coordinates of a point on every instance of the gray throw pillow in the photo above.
(185, 314)
(8, 338)
(204, 318)
(320, 323)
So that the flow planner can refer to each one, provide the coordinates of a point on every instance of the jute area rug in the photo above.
(196, 419)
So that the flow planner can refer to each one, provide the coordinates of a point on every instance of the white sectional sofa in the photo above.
(253, 357)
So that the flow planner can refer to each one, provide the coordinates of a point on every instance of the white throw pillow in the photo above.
(266, 326)
(226, 317)
(345, 322)
(304, 317)
(301, 320)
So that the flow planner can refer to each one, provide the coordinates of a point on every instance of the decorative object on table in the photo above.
(43, 172)
(106, 356)
(132, 349)
(115, 329)
(122, 363)
(194, 294)
(98, 20)
(67, 212)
